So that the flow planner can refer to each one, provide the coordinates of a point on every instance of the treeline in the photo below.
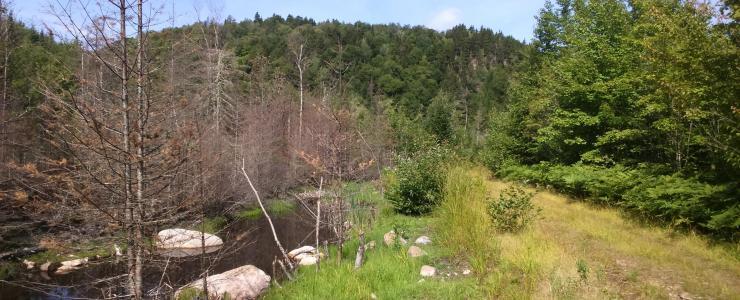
(630, 103)
(375, 66)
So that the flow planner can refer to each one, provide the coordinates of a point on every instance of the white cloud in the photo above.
(445, 19)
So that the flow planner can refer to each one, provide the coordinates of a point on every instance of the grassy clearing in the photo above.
(579, 251)
(572, 251)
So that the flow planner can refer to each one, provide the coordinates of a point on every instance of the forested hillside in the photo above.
(112, 132)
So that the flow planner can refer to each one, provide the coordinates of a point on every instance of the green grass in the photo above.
(91, 249)
(572, 251)
(462, 221)
(388, 272)
(212, 225)
(275, 207)
(280, 207)
(250, 214)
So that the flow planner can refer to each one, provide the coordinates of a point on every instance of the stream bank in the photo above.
(247, 240)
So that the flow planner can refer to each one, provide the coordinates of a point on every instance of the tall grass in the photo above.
(462, 222)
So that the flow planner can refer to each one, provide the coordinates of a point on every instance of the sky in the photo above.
(512, 17)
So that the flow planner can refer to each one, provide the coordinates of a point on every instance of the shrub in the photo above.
(419, 180)
(685, 202)
(513, 210)
(674, 199)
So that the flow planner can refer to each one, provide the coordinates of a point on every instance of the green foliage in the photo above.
(582, 268)
(419, 181)
(439, 117)
(411, 137)
(8, 270)
(673, 199)
(499, 143)
(686, 202)
(513, 210)
(627, 82)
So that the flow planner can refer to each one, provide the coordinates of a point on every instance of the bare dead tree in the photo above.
(122, 158)
(297, 44)
(267, 216)
(318, 220)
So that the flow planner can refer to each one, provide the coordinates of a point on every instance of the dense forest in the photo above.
(111, 131)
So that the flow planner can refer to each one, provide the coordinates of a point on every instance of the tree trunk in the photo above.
(360, 251)
(131, 251)
(299, 64)
(318, 222)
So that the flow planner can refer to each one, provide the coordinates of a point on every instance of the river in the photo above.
(245, 242)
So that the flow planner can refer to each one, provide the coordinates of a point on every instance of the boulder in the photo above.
(415, 252)
(427, 271)
(183, 238)
(305, 249)
(391, 237)
(29, 264)
(71, 265)
(423, 240)
(309, 260)
(370, 245)
(45, 267)
(245, 282)
(305, 256)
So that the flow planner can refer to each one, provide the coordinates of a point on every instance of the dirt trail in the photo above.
(620, 259)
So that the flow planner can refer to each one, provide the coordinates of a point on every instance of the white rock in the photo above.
(370, 245)
(245, 282)
(71, 265)
(305, 249)
(427, 271)
(423, 240)
(466, 272)
(183, 238)
(309, 260)
(45, 266)
(415, 252)
(29, 264)
(391, 237)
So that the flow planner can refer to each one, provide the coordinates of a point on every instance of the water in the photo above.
(245, 242)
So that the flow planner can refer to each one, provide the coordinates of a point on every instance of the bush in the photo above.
(685, 202)
(673, 199)
(419, 180)
(513, 211)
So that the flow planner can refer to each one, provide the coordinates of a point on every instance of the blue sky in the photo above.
(513, 17)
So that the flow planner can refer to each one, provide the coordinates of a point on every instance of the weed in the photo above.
(582, 268)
